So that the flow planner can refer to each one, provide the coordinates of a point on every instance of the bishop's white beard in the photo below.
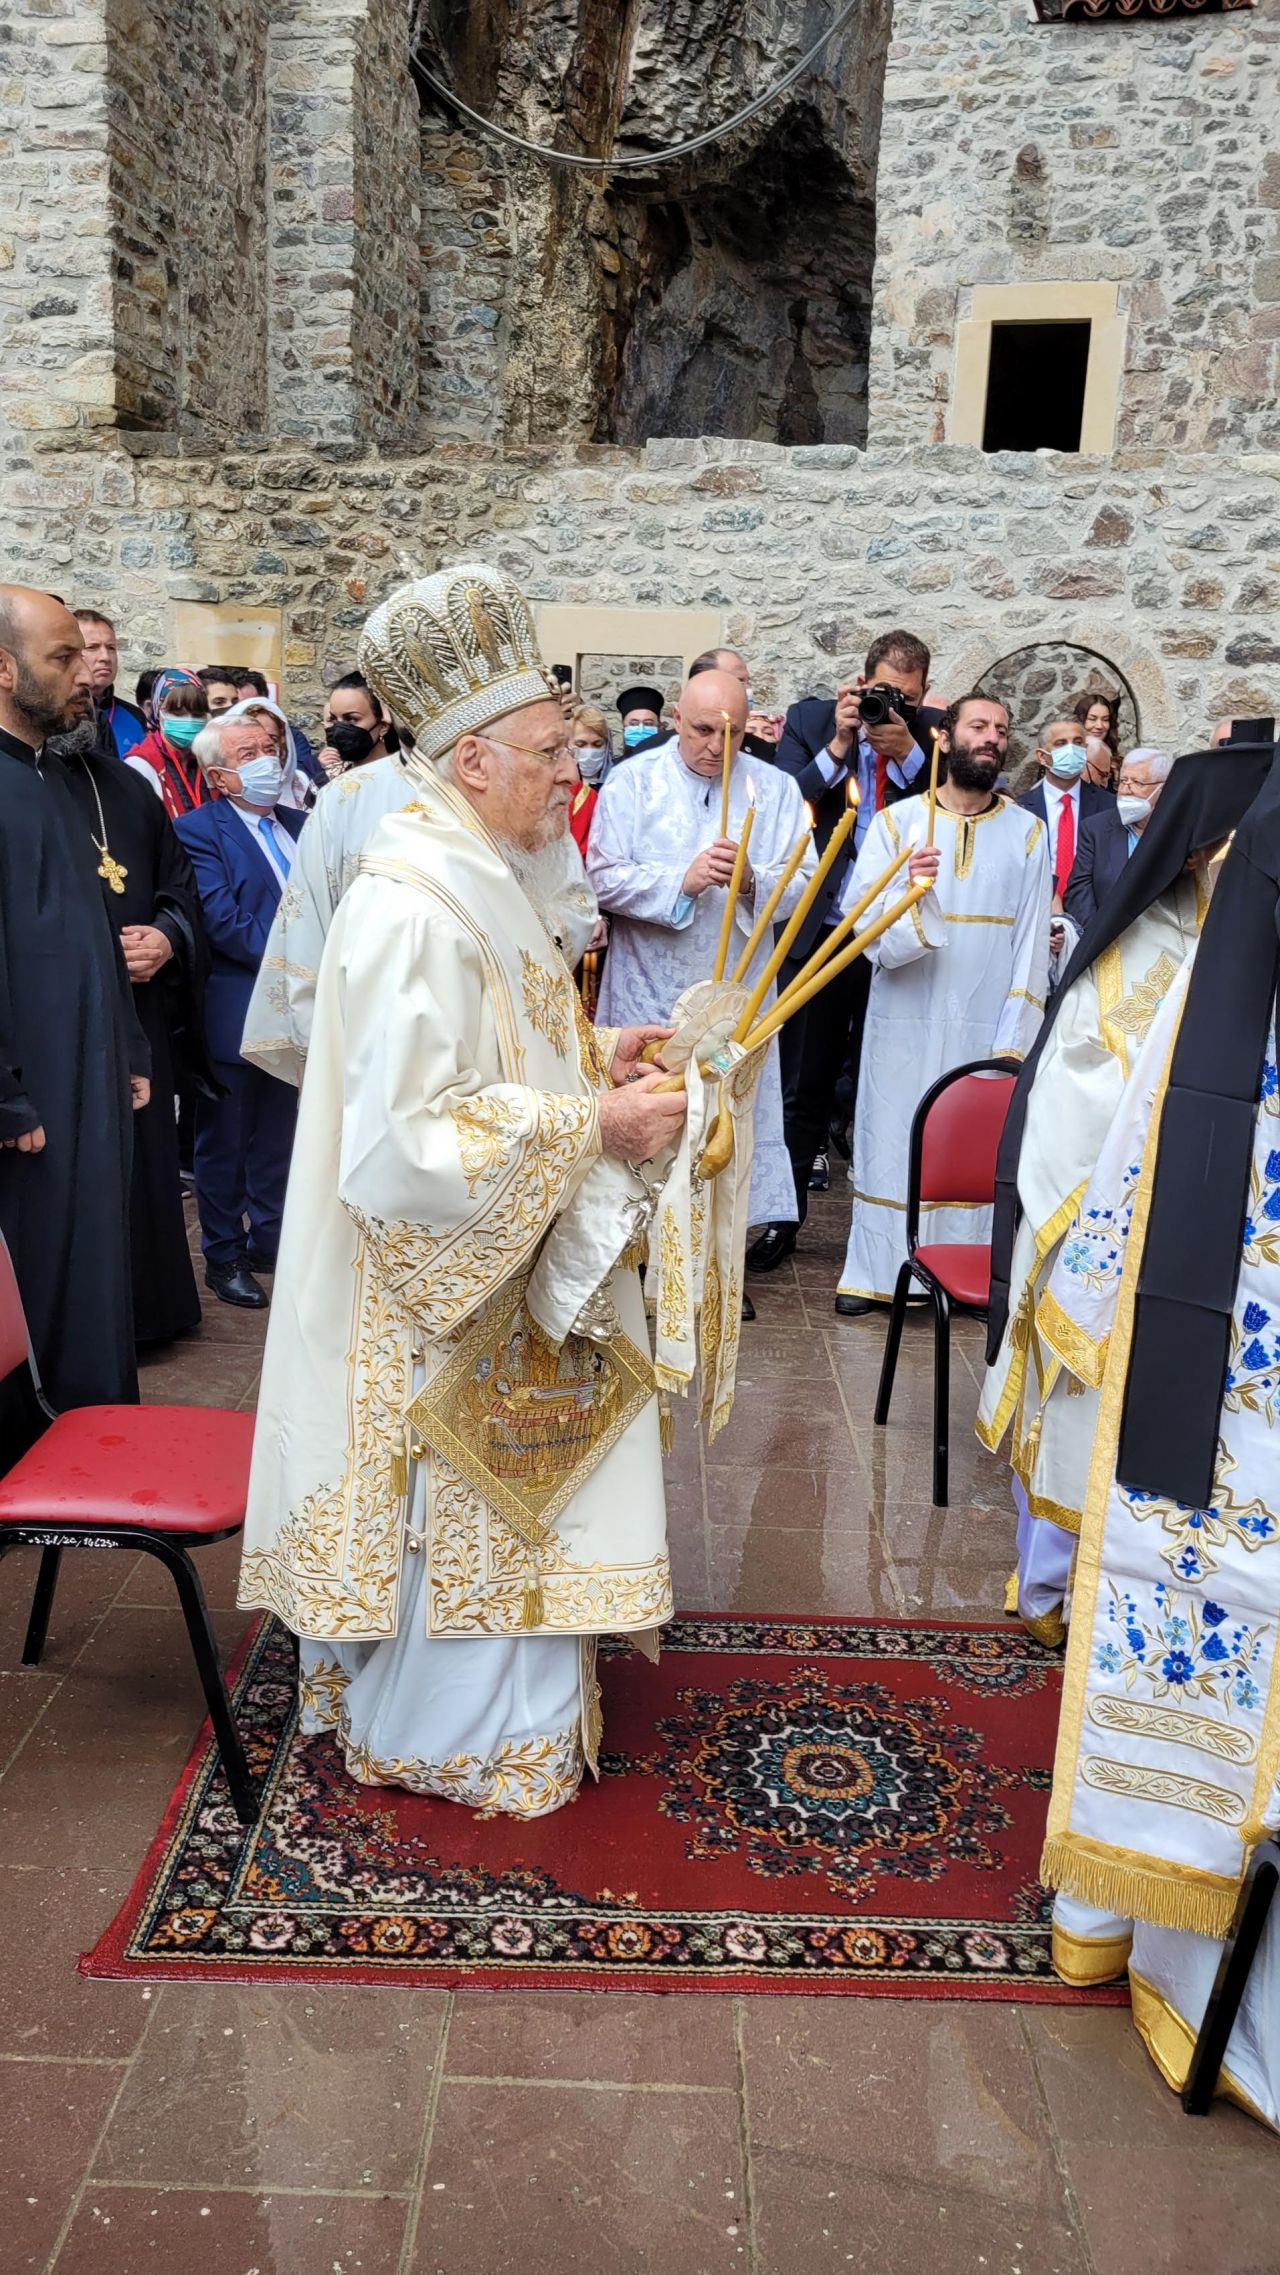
(544, 876)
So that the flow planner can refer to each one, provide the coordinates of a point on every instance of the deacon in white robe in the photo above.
(963, 975)
(277, 1031)
(660, 868)
(445, 1505)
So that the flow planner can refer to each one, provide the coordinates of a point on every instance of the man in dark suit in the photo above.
(1108, 839)
(828, 746)
(1061, 799)
(241, 848)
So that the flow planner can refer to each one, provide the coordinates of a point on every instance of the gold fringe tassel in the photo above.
(400, 1465)
(666, 1423)
(1011, 1594)
(1132, 1890)
(531, 1605)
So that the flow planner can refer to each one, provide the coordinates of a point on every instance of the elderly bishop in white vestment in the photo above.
(660, 869)
(445, 1505)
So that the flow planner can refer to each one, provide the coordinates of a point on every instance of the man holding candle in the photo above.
(962, 976)
(838, 759)
(663, 848)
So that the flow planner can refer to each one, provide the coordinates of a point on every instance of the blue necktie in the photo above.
(267, 827)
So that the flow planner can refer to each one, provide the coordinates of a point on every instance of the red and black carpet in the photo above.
(784, 1805)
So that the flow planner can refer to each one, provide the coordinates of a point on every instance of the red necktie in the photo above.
(882, 781)
(1066, 847)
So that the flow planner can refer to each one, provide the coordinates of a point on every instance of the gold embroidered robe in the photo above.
(448, 1115)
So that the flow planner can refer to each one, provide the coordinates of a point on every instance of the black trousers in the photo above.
(814, 1049)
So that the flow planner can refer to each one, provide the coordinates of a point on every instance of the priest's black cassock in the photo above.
(159, 889)
(69, 1041)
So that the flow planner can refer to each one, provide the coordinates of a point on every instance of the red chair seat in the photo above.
(962, 1267)
(179, 1469)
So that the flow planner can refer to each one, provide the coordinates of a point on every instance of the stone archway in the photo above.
(1039, 683)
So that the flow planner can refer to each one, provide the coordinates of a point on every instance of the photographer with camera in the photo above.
(876, 737)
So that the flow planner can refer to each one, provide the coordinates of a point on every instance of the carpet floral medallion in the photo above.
(782, 1805)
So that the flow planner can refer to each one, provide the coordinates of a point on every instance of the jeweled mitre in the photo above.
(451, 653)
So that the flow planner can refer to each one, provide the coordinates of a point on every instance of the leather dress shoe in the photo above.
(853, 1306)
(235, 1283)
(775, 1244)
(748, 1308)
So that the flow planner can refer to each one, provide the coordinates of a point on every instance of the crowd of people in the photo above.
(228, 957)
(222, 884)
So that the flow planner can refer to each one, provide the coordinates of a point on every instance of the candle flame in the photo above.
(808, 813)
(853, 793)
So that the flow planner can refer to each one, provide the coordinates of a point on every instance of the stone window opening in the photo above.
(1017, 383)
(1035, 386)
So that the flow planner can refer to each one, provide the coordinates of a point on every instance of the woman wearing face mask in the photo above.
(180, 708)
(589, 737)
(356, 728)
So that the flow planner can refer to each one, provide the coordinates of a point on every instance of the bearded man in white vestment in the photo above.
(963, 975)
(445, 1506)
(277, 1030)
(660, 869)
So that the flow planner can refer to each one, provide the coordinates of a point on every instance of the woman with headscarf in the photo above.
(180, 708)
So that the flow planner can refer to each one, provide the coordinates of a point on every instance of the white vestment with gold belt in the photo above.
(445, 1506)
(961, 976)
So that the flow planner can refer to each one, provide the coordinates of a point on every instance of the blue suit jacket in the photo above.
(239, 893)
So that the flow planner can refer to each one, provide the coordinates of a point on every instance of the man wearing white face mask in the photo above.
(241, 849)
(1061, 799)
(1108, 840)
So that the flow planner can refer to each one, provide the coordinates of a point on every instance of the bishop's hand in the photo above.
(637, 1121)
(632, 1044)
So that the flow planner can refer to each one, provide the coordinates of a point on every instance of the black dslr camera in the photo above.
(877, 705)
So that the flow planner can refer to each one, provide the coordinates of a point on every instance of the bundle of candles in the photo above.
(841, 946)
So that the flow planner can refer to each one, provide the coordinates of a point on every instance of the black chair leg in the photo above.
(204, 1646)
(41, 1606)
(1238, 1954)
(941, 1393)
(892, 1343)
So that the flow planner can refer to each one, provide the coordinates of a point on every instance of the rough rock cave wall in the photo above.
(727, 294)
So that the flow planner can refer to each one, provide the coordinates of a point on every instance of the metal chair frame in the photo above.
(171, 1550)
(939, 1297)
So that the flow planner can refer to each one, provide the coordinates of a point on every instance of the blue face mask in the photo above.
(182, 732)
(637, 734)
(1068, 762)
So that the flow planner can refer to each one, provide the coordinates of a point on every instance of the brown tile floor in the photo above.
(209, 2130)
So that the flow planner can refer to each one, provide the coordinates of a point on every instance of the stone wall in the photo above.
(56, 360)
(1166, 569)
(1147, 153)
(189, 271)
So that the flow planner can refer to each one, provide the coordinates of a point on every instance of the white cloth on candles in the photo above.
(653, 816)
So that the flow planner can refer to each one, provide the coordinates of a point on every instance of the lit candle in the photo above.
(725, 769)
(795, 925)
(933, 789)
(836, 939)
(803, 991)
(759, 931)
(731, 897)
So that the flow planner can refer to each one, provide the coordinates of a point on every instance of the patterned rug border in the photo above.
(109, 1959)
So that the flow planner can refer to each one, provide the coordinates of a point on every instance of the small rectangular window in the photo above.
(1035, 386)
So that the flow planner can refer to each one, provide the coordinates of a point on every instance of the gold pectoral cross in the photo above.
(110, 868)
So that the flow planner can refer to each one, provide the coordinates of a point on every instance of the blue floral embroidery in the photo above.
(1212, 1614)
(1175, 1651)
